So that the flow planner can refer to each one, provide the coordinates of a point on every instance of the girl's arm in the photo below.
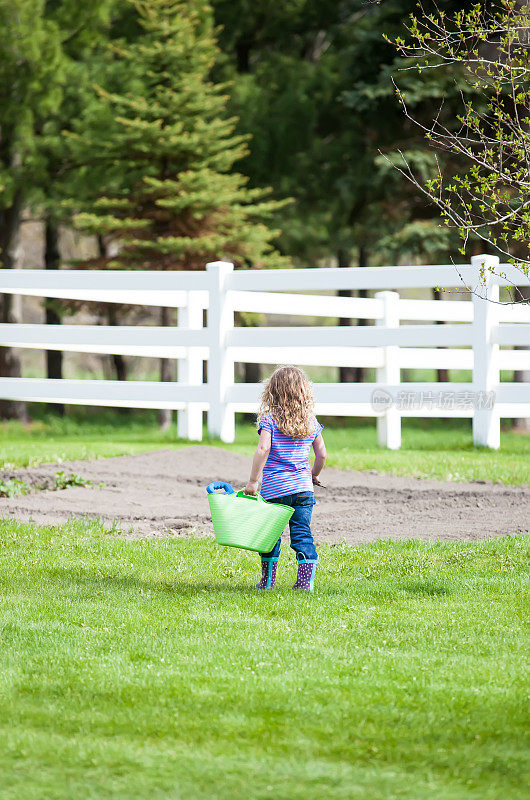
(260, 457)
(320, 457)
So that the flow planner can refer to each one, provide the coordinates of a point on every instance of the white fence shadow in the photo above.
(476, 337)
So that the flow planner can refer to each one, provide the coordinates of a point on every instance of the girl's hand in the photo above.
(251, 487)
(316, 482)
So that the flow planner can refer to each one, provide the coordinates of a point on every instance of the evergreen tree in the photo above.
(44, 74)
(159, 155)
(83, 31)
(31, 80)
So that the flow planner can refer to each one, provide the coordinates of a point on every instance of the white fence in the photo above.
(475, 338)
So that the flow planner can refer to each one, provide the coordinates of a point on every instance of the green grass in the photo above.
(440, 449)
(431, 448)
(151, 669)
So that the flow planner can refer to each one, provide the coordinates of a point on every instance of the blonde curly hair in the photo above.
(288, 398)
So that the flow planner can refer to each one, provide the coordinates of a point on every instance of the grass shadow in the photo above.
(92, 584)
(426, 588)
(128, 582)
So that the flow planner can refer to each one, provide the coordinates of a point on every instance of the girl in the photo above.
(287, 428)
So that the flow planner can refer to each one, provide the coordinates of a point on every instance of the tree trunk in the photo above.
(442, 375)
(346, 374)
(363, 262)
(522, 424)
(118, 361)
(353, 374)
(252, 373)
(52, 260)
(165, 415)
(10, 366)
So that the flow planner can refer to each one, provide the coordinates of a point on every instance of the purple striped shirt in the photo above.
(287, 469)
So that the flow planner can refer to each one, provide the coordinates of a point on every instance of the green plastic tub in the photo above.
(246, 521)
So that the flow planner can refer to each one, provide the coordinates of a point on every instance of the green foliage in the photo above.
(13, 488)
(485, 195)
(313, 86)
(142, 668)
(83, 30)
(46, 62)
(157, 152)
(63, 481)
(31, 86)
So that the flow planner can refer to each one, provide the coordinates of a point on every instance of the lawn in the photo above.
(431, 448)
(151, 669)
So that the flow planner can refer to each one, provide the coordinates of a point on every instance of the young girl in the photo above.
(287, 428)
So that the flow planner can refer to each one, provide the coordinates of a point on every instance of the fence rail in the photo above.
(474, 338)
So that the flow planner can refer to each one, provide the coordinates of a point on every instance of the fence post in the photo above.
(389, 423)
(189, 421)
(221, 419)
(485, 297)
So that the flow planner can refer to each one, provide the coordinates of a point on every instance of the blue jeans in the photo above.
(299, 525)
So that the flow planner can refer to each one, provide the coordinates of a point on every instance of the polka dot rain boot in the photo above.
(306, 574)
(268, 573)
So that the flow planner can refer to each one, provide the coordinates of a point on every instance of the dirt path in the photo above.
(163, 492)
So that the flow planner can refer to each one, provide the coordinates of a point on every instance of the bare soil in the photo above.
(162, 493)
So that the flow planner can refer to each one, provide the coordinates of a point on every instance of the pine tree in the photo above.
(82, 31)
(158, 156)
(31, 79)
